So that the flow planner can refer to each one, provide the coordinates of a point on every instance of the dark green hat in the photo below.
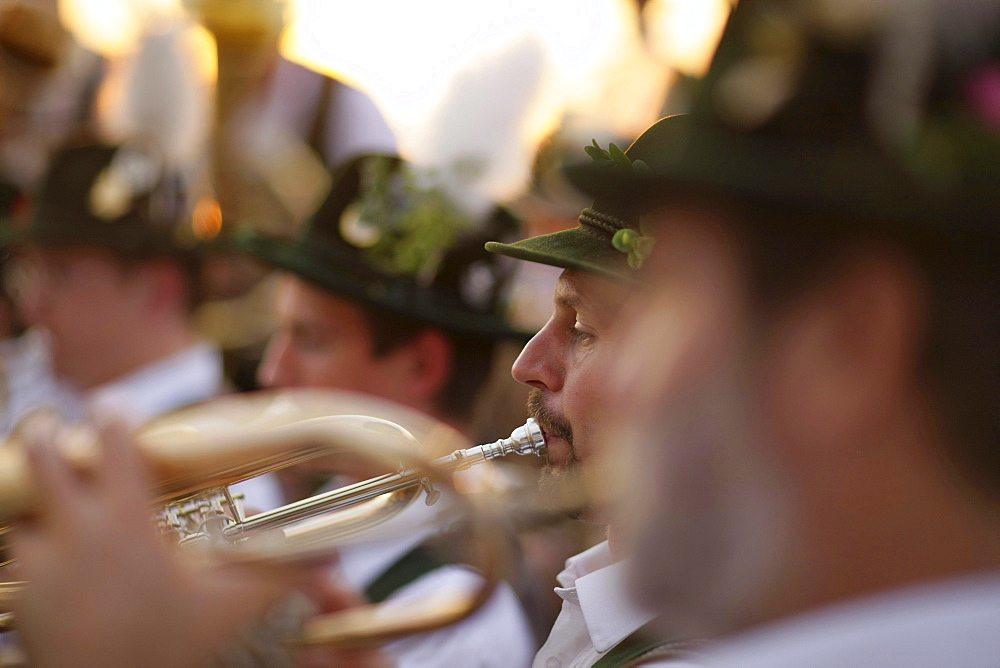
(609, 239)
(879, 110)
(121, 198)
(391, 240)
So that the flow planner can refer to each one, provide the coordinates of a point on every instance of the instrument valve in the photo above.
(432, 492)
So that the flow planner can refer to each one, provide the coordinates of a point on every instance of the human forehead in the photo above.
(585, 293)
(88, 264)
(306, 301)
(67, 255)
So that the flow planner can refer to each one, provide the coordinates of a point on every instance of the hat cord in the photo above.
(602, 221)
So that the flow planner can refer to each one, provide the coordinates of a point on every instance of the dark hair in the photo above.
(471, 365)
(789, 251)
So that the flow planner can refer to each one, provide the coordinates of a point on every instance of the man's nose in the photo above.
(539, 365)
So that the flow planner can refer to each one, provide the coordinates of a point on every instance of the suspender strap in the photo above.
(411, 566)
(318, 131)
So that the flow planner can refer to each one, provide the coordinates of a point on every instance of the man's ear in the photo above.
(846, 351)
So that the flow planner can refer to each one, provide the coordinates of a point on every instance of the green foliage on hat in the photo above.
(615, 156)
(404, 224)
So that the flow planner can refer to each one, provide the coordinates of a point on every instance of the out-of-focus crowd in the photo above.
(764, 359)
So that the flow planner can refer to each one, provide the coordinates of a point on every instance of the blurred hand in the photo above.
(332, 595)
(103, 588)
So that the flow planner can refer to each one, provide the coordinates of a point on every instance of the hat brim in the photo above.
(308, 261)
(577, 248)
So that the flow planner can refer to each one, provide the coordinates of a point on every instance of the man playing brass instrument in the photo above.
(566, 364)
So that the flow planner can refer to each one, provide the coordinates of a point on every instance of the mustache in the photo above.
(551, 421)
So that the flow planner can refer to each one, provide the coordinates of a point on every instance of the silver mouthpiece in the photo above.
(525, 440)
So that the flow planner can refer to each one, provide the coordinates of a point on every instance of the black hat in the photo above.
(609, 239)
(121, 198)
(386, 238)
(881, 110)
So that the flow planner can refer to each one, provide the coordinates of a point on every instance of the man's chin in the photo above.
(562, 490)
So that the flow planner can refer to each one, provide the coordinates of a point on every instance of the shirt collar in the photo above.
(186, 377)
(597, 584)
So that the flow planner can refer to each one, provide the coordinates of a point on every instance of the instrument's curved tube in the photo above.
(196, 453)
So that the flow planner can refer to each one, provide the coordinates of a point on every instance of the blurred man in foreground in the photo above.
(810, 389)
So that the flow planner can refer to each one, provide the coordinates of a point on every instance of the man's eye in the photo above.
(310, 341)
(581, 335)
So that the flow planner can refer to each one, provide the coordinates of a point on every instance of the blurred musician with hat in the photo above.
(809, 386)
(388, 292)
(108, 267)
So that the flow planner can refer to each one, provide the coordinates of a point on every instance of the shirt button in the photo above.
(553, 662)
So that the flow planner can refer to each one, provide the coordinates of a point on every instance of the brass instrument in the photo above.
(196, 453)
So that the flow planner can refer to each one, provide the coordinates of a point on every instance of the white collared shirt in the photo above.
(953, 623)
(27, 382)
(596, 613)
(186, 377)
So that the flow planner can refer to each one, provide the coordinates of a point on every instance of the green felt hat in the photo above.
(390, 240)
(882, 111)
(608, 240)
(122, 198)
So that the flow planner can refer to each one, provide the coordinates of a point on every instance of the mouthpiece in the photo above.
(525, 440)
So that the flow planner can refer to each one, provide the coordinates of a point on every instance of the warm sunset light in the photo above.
(456, 79)
(685, 32)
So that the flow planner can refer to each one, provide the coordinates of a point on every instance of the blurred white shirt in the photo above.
(27, 383)
(188, 376)
(953, 623)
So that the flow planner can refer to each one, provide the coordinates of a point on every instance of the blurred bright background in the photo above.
(451, 77)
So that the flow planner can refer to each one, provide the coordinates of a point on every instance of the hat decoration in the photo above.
(610, 240)
(403, 227)
(634, 243)
(391, 237)
(134, 171)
